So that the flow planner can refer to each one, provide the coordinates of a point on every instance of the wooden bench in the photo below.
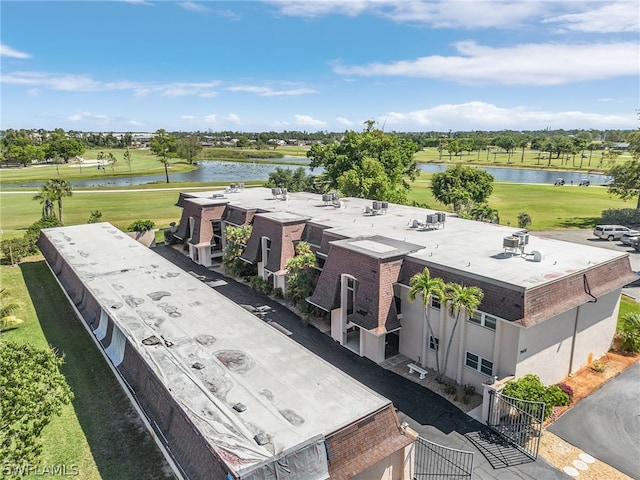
(415, 368)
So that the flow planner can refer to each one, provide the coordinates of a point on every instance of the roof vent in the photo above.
(537, 255)
(261, 439)
(240, 407)
(197, 366)
(152, 340)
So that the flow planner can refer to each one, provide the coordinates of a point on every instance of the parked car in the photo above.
(635, 243)
(610, 232)
(627, 238)
(584, 183)
(559, 182)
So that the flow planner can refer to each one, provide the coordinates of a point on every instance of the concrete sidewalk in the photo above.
(428, 413)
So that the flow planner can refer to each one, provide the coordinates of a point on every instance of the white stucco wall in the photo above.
(397, 466)
(412, 331)
(372, 346)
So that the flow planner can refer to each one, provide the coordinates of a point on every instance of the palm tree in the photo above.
(7, 309)
(629, 332)
(46, 198)
(459, 298)
(58, 189)
(422, 284)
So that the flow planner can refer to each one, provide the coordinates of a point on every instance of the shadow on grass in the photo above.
(579, 222)
(120, 445)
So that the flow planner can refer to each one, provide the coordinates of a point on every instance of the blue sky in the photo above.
(318, 65)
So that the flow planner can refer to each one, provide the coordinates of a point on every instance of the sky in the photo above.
(314, 65)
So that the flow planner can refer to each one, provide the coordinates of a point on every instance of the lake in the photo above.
(234, 172)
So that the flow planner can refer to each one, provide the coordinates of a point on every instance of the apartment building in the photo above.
(549, 306)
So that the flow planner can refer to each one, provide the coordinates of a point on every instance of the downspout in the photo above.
(573, 340)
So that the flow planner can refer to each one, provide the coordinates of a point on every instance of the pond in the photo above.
(234, 172)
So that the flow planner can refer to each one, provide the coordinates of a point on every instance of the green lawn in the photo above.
(99, 432)
(549, 207)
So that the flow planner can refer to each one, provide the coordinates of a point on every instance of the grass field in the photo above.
(99, 432)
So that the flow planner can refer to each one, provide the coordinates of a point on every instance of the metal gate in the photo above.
(433, 461)
(519, 421)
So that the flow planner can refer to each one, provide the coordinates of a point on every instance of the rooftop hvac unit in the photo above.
(432, 218)
(523, 237)
(441, 217)
(511, 242)
(377, 205)
(385, 205)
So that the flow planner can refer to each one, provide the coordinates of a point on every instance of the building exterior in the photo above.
(226, 395)
(549, 307)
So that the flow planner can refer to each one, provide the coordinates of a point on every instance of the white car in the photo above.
(628, 237)
(610, 232)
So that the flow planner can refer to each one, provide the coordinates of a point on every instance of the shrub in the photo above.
(598, 367)
(278, 293)
(95, 216)
(259, 284)
(530, 388)
(15, 249)
(141, 226)
(468, 391)
(629, 332)
(568, 390)
(621, 216)
(33, 232)
(450, 388)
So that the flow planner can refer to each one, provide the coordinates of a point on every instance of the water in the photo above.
(233, 172)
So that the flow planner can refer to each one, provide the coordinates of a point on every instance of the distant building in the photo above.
(227, 395)
(549, 307)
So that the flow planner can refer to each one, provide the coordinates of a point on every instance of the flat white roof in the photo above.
(476, 248)
(291, 395)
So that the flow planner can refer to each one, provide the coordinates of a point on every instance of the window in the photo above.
(351, 294)
(434, 343)
(398, 303)
(476, 362)
(484, 320)
(435, 301)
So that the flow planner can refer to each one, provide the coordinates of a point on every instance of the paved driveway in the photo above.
(607, 423)
(427, 412)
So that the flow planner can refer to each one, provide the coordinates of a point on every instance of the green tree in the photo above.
(8, 308)
(127, 158)
(15, 249)
(524, 220)
(453, 147)
(62, 146)
(530, 388)
(33, 391)
(626, 176)
(484, 213)
(629, 332)
(393, 152)
(46, 198)
(293, 180)
(302, 275)
(458, 298)
(188, 148)
(54, 191)
(236, 240)
(163, 145)
(369, 180)
(423, 285)
(461, 187)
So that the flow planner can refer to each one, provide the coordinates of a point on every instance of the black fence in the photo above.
(433, 461)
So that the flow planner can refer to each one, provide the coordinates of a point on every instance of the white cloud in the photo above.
(308, 121)
(211, 118)
(233, 118)
(7, 51)
(527, 64)
(344, 121)
(271, 92)
(187, 117)
(89, 118)
(621, 16)
(139, 2)
(486, 116)
(194, 7)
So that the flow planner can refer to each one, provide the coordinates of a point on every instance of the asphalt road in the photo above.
(607, 423)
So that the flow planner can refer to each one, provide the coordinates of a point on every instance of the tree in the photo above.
(392, 152)
(461, 186)
(95, 216)
(32, 234)
(236, 238)
(302, 275)
(424, 285)
(54, 191)
(62, 146)
(369, 180)
(7, 309)
(458, 298)
(524, 220)
(626, 176)
(484, 213)
(163, 145)
(127, 158)
(188, 148)
(293, 180)
(46, 198)
(33, 391)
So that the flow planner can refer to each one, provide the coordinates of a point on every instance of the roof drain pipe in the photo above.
(587, 290)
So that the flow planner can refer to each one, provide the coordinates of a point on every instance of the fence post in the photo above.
(495, 386)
